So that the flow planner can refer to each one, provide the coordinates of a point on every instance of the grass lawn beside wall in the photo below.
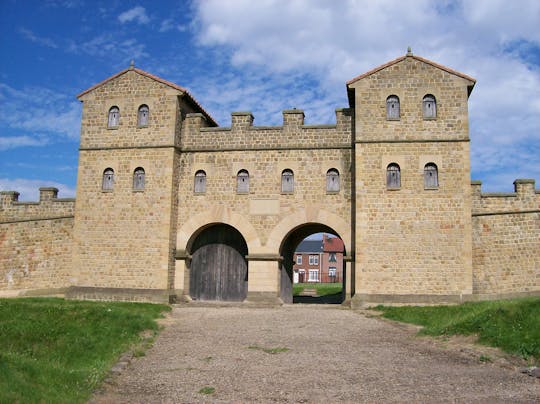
(323, 289)
(512, 325)
(55, 350)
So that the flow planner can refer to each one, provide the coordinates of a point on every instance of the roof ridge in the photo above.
(155, 78)
(421, 59)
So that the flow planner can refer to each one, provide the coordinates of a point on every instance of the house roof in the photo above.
(310, 246)
(333, 244)
(184, 91)
(420, 59)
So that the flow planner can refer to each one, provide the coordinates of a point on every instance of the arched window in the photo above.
(242, 182)
(138, 179)
(287, 181)
(142, 115)
(114, 117)
(393, 176)
(431, 176)
(429, 106)
(332, 180)
(108, 179)
(200, 182)
(392, 107)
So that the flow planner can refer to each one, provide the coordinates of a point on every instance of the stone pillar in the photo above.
(524, 187)
(241, 120)
(47, 194)
(263, 280)
(293, 119)
(8, 197)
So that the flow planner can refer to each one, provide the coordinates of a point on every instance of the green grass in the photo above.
(272, 351)
(53, 350)
(512, 325)
(323, 289)
(207, 390)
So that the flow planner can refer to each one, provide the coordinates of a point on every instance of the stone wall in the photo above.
(265, 214)
(36, 240)
(413, 244)
(506, 241)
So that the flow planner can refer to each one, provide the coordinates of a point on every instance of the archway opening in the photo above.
(313, 266)
(218, 267)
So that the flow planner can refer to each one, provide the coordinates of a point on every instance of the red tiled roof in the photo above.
(333, 244)
(158, 79)
(401, 58)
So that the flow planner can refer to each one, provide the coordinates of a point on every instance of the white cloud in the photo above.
(312, 47)
(40, 110)
(29, 189)
(37, 39)
(12, 142)
(137, 14)
(110, 47)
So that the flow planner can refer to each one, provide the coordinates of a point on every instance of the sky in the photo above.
(261, 56)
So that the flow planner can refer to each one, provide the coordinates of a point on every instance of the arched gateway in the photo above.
(218, 268)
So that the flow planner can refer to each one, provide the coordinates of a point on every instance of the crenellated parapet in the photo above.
(524, 199)
(49, 207)
(242, 135)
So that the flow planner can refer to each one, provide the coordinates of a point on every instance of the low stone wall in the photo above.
(35, 244)
(506, 241)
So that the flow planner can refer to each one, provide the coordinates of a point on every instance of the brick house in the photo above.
(319, 261)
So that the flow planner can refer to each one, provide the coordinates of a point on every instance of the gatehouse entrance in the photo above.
(310, 272)
(219, 269)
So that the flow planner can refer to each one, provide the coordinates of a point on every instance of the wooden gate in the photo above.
(218, 265)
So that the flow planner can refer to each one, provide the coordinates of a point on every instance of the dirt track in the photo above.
(331, 355)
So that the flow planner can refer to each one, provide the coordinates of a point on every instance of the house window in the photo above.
(332, 272)
(138, 179)
(332, 180)
(313, 260)
(313, 275)
(200, 182)
(287, 181)
(298, 260)
(392, 107)
(393, 176)
(142, 115)
(429, 107)
(242, 182)
(108, 179)
(114, 117)
(431, 177)
(332, 257)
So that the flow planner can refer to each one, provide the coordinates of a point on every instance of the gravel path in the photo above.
(329, 355)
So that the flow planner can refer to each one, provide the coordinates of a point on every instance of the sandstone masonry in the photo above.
(171, 207)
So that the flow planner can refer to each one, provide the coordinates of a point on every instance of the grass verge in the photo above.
(512, 325)
(53, 350)
(323, 289)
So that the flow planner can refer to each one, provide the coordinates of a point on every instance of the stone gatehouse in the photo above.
(170, 206)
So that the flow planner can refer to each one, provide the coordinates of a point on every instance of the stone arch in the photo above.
(189, 230)
(305, 216)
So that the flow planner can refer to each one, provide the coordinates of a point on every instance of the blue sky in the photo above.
(261, 56)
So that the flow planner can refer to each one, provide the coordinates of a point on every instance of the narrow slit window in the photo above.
(332, 180)
(138, 179)
(242, 182)
(429, 106)
(114, 117)
(287, 181)
(393, 176)
(108, 180)
(200, 182)
(392, 107)
(431, 176)
(142, 116)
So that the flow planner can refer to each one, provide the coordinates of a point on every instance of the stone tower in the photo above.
(412, 173)
(126, 207)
